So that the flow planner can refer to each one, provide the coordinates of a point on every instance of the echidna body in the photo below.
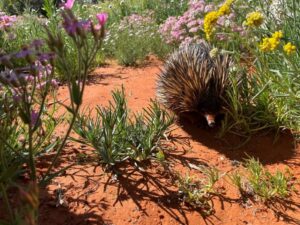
(193, 81)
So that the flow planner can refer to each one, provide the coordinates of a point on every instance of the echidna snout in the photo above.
(210, 118)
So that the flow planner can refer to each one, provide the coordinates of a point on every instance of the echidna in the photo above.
(193, 81)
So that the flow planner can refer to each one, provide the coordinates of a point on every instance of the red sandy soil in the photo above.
(150, 197)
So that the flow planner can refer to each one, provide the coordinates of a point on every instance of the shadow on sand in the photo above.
(263, 147)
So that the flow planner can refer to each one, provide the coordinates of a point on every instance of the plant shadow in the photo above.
(156, 187)
(72, 209)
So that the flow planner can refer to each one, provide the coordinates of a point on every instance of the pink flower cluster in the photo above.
(38, 73)
(188, 28)
(6, 21)
(135, 21)
(79, 27)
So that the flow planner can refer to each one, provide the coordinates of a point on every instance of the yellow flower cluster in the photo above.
(210, 20)
(254, 19)
(270, 44)
(289, 48)
(212, 17)
(225, 8)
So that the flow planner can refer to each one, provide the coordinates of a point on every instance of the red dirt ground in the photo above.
(93, 196)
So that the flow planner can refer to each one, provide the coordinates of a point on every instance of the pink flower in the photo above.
(102, 18)
(54, 83)
(194, 30)
(69, 4)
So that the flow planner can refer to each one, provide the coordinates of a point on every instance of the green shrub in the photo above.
(161, 9)
(116, 137)
(198, 193)
(257, 182)
(131, 41)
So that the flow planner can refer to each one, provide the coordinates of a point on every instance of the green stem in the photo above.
(63, 143)
(31, 155)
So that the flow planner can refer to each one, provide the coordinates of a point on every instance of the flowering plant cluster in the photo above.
(135, 21)
(142, 31)
(254, 19)
(271, 43)
(29, 85)
(198, 22)
(27, 89)
(6, 21)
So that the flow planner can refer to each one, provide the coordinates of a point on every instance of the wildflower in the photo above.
(277, 34)
(289, 48)
(254, 19)
(194, 30)
(69, 4)
(270, 44)
(102, 18)
(213, 53)
(54, 83)
(212, 17)
(70, 25)
(225, 8)
(24, 52)
(34, 118)
(6, 21)
(84, 24)
(210, 20)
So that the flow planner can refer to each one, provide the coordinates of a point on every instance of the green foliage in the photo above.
(262, 184)
(26, 119)
(131, 41)
(49, 8)
(265, 90)
(116, 137)
(161, 9)
(199, 192)
(20, 6)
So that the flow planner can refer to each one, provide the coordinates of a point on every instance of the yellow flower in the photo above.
(274, 43)
(270, 44)
(210, 20)
(254, 19)
(289, 48)
(212, 17)
(277, 34)
(265, 45)
(225, 8)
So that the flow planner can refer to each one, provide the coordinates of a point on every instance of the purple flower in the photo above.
(70, 26)
(45, 56)
(16, 97)
(54, 83)
(102, 18)
(222, 37)
(69, 4)
(34, 116)
(6, 21)
(23, 53)
(84, 24)
(208, 8)
(41, 85)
